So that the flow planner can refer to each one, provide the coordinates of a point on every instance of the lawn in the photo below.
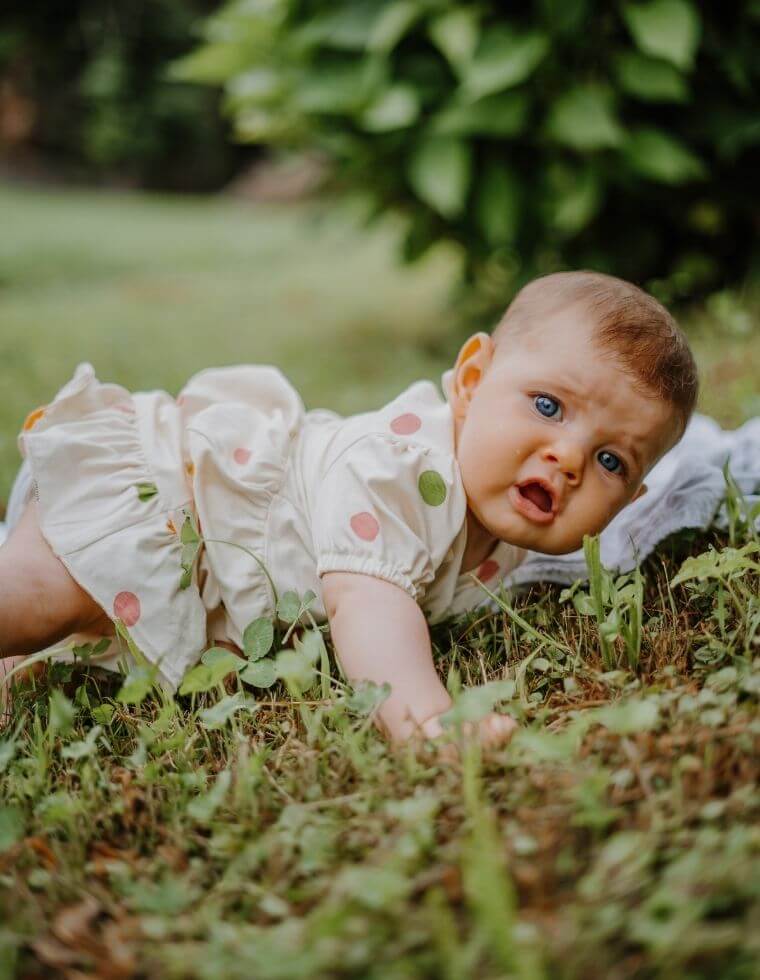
(211, 836)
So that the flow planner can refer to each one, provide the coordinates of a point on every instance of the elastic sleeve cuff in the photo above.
(337, 562)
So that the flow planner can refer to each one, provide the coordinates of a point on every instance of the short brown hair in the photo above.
(631, 324)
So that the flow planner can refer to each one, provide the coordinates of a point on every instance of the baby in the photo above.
(547, 429)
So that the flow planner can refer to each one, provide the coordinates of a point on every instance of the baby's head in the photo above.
(560, 414)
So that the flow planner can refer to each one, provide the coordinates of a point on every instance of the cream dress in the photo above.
(281, 496)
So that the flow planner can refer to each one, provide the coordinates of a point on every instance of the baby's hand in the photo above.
(492, 731)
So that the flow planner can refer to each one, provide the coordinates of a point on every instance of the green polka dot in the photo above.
(146, 490)
(432, 488)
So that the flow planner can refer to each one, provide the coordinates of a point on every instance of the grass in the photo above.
(205, 837)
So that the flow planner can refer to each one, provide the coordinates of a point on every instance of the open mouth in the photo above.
(535, 500)
(537, 495)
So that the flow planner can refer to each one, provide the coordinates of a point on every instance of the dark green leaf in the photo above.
(337, 89)
(495, 115)
(348, 26)
(498, 204)
(666, 29)
(394, 22)
(456, 34)
(576, 199)
(396, 108)
(439, 172)
(650, 79)
(657, 156)
(584, 118)
(504, 58)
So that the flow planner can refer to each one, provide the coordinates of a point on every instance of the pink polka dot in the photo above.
(180, 400)
(365, 526)
(126, 607)
(487, 570)
(127, 408)
(241, 455)
(405, 425)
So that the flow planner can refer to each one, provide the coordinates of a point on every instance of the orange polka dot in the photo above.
(365, 526)
(190, 469)
(126, 607)
(33, 418)
(170, 526)
(241, 455)
(487, 570)
(405, 425)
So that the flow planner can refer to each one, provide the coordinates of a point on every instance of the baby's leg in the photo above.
(40, 603)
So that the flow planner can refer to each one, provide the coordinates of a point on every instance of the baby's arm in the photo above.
(380, 635)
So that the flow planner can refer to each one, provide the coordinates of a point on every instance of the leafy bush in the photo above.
(92, 78)
(538, 136)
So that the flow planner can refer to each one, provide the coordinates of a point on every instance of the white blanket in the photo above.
(685, 490)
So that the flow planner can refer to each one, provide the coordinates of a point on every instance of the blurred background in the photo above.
(346, 190)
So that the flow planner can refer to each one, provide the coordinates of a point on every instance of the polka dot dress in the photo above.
(279, 497)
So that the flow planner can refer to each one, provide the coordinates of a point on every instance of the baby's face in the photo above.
(553, 437)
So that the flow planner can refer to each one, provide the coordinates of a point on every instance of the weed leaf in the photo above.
(220, 713)
(289, 607)
(475, 703)
(204, 807)
(260, 673)
(258, 638)
(85, 748)
(11, 826)
(62, 713)
(137, 685)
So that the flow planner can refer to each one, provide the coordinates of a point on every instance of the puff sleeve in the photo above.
(391, 509)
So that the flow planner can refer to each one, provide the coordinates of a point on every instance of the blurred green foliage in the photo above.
(543, 135)
(93, 74)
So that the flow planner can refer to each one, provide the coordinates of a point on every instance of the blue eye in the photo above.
(547, 406)
(610, 461)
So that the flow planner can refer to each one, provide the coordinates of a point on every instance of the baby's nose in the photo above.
(568, 457)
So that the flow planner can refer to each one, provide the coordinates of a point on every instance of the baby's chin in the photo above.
(543, 546)
(550, 540)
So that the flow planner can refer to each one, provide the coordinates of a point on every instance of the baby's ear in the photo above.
(471, 363)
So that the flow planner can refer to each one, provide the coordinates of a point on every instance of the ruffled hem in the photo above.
(113, 519)
(336, 562)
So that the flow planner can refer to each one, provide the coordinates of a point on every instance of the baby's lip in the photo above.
(535, 498)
